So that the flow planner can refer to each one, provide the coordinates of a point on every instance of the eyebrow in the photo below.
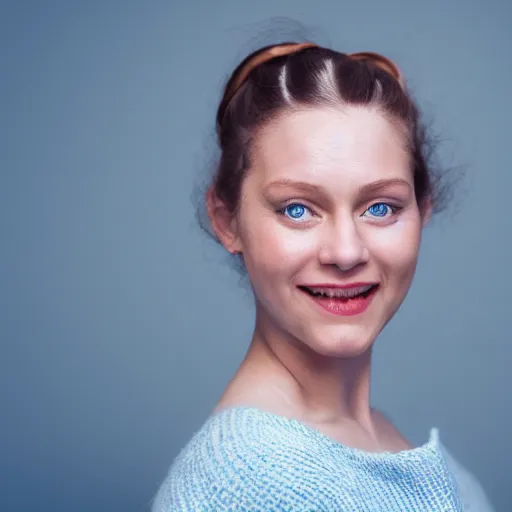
(369, 188)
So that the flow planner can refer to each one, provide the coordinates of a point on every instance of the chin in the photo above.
(344, 342)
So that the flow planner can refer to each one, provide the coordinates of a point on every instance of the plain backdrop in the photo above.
(121, 324)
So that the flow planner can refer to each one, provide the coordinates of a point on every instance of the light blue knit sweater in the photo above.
(245, 459)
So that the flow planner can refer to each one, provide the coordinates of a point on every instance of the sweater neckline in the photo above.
(432, 445)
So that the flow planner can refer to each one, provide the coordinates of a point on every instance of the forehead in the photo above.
(353, 144)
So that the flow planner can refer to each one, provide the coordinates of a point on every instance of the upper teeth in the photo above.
(341, 292)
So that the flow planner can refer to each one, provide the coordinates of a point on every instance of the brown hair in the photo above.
(297, 75)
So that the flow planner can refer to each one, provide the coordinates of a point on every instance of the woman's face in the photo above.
(329, 206)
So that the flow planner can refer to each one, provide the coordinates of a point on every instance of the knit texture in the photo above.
(245, 459)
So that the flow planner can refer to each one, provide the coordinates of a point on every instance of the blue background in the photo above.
(120, 323)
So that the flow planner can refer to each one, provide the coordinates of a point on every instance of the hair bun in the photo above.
(264, 55)
(381, 62)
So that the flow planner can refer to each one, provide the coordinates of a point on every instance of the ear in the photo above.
(426, 211)
(223, 222)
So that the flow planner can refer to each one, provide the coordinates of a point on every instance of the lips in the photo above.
(342, 300)
(339, 292)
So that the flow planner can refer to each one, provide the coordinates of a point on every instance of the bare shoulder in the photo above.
(381, 418)
(390, 435)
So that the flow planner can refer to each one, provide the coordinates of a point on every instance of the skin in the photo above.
(303, 362)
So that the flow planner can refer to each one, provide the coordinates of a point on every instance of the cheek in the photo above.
(274, 250)
(396, 246)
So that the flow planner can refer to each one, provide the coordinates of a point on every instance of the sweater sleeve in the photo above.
(202, 481)
(234, 470)
(472, 494)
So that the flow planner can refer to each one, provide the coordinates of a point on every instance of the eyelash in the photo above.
(394, 209)
(282, 210)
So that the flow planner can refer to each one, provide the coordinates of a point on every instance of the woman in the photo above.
(322, 191)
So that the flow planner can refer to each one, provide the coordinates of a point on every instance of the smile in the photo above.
(344, 301)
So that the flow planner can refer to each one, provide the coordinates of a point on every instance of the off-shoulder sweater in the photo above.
(245, 459)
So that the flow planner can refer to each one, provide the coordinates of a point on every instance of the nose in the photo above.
(343, 245)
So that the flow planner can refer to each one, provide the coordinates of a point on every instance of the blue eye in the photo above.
(295, 211)
(380, 210)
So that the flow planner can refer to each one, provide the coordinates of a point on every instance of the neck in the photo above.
(322, 389)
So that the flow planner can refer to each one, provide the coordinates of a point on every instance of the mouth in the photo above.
(340, 293)
(346, 301)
